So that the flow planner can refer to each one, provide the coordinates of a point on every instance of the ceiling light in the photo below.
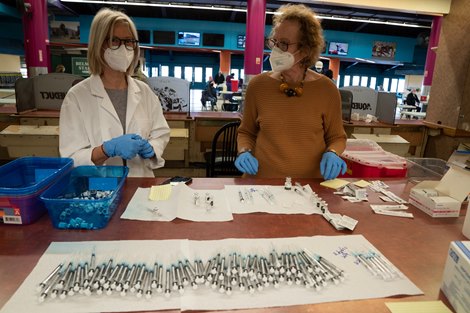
(232, 9)
(161, 5)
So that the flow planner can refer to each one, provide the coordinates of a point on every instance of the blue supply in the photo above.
(86, 197)
(22, 181)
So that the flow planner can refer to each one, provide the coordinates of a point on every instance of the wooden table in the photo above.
(418, 247)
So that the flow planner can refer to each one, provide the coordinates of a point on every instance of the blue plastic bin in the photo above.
(21, 183)
(86, 197)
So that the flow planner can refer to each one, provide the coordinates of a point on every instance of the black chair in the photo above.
(220, 161)
(230, 104)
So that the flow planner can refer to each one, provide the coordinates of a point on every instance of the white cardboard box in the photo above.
(466, 223)
(452, 190)
(456, 278)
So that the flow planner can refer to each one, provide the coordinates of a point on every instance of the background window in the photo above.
(177, 72)
(165, 70)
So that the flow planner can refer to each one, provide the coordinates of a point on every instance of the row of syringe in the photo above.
(251, 272)
(378, 266)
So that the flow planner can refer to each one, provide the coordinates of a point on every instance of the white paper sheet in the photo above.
(180, 204)
(359, 283)
(285, 201)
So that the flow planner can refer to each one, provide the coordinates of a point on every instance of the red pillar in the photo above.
(254, 44)
(431, 55)
(36, 37)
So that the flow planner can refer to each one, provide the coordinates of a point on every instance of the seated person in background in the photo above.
(412, 99)
(209, 94)
(228, 80)
(60, 68)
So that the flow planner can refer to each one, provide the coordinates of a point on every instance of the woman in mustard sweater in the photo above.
(292, 123)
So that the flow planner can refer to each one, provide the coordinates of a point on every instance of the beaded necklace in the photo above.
(292, 92)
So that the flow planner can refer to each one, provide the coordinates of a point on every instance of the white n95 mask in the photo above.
(119, 59)
(280, 60)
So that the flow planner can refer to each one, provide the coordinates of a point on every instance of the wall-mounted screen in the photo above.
(189, 39)
(144, 36)
(163, 37)
(214, 40)
(241, 41)
(338, 48)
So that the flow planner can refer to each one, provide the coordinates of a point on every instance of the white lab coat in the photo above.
(88, 118)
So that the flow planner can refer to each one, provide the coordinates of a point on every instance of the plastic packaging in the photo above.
(366, 158)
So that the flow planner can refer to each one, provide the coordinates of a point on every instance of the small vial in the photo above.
(288, 183)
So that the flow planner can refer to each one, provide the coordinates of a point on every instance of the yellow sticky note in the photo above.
(334, 183)
(362, 183)
(418, 307)
(162, 192)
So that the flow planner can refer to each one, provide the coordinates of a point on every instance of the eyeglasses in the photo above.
(116, 42)
(284, 46)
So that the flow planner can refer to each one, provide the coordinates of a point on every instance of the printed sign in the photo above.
(384, 50)
(65, 31)
(364, 100)
(172, 92)
(80, 67)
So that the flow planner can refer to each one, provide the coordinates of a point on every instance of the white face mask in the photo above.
(280, 60)
(119, 59)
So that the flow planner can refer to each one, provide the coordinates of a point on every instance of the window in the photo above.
(208, 73)
(394, 85)
(355, 81)
(386, 82)
(235, 73)
(188, 73)
(177, 72)
(401, 85)
(337, 81)
(364, 81)
(198, 74)
(165, 71)
(154, 71)
(347, 81)
(373, 82)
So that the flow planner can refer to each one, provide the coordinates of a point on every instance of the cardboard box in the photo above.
(456, 277)
(452, 190)
(466, 223)
(391, 143)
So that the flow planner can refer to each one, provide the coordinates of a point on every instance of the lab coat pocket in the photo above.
(141, 126)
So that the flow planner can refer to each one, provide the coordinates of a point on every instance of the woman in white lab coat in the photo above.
(111, 118)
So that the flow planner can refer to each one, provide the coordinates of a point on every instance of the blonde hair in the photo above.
(101, 30)
(310, 31)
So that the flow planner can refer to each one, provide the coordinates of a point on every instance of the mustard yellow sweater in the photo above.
(288, 135)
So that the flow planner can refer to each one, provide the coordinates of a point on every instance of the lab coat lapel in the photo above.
(110, 124)
(102, 98)
(134, 96)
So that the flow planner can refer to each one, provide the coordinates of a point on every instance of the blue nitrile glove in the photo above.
(247, 163)
(146, 150)
(125, 146)
(331, 165)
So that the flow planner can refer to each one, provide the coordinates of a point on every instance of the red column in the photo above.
(36, 37)
(334, 66)
(431, 55)
(254, 43)
(225, 62)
